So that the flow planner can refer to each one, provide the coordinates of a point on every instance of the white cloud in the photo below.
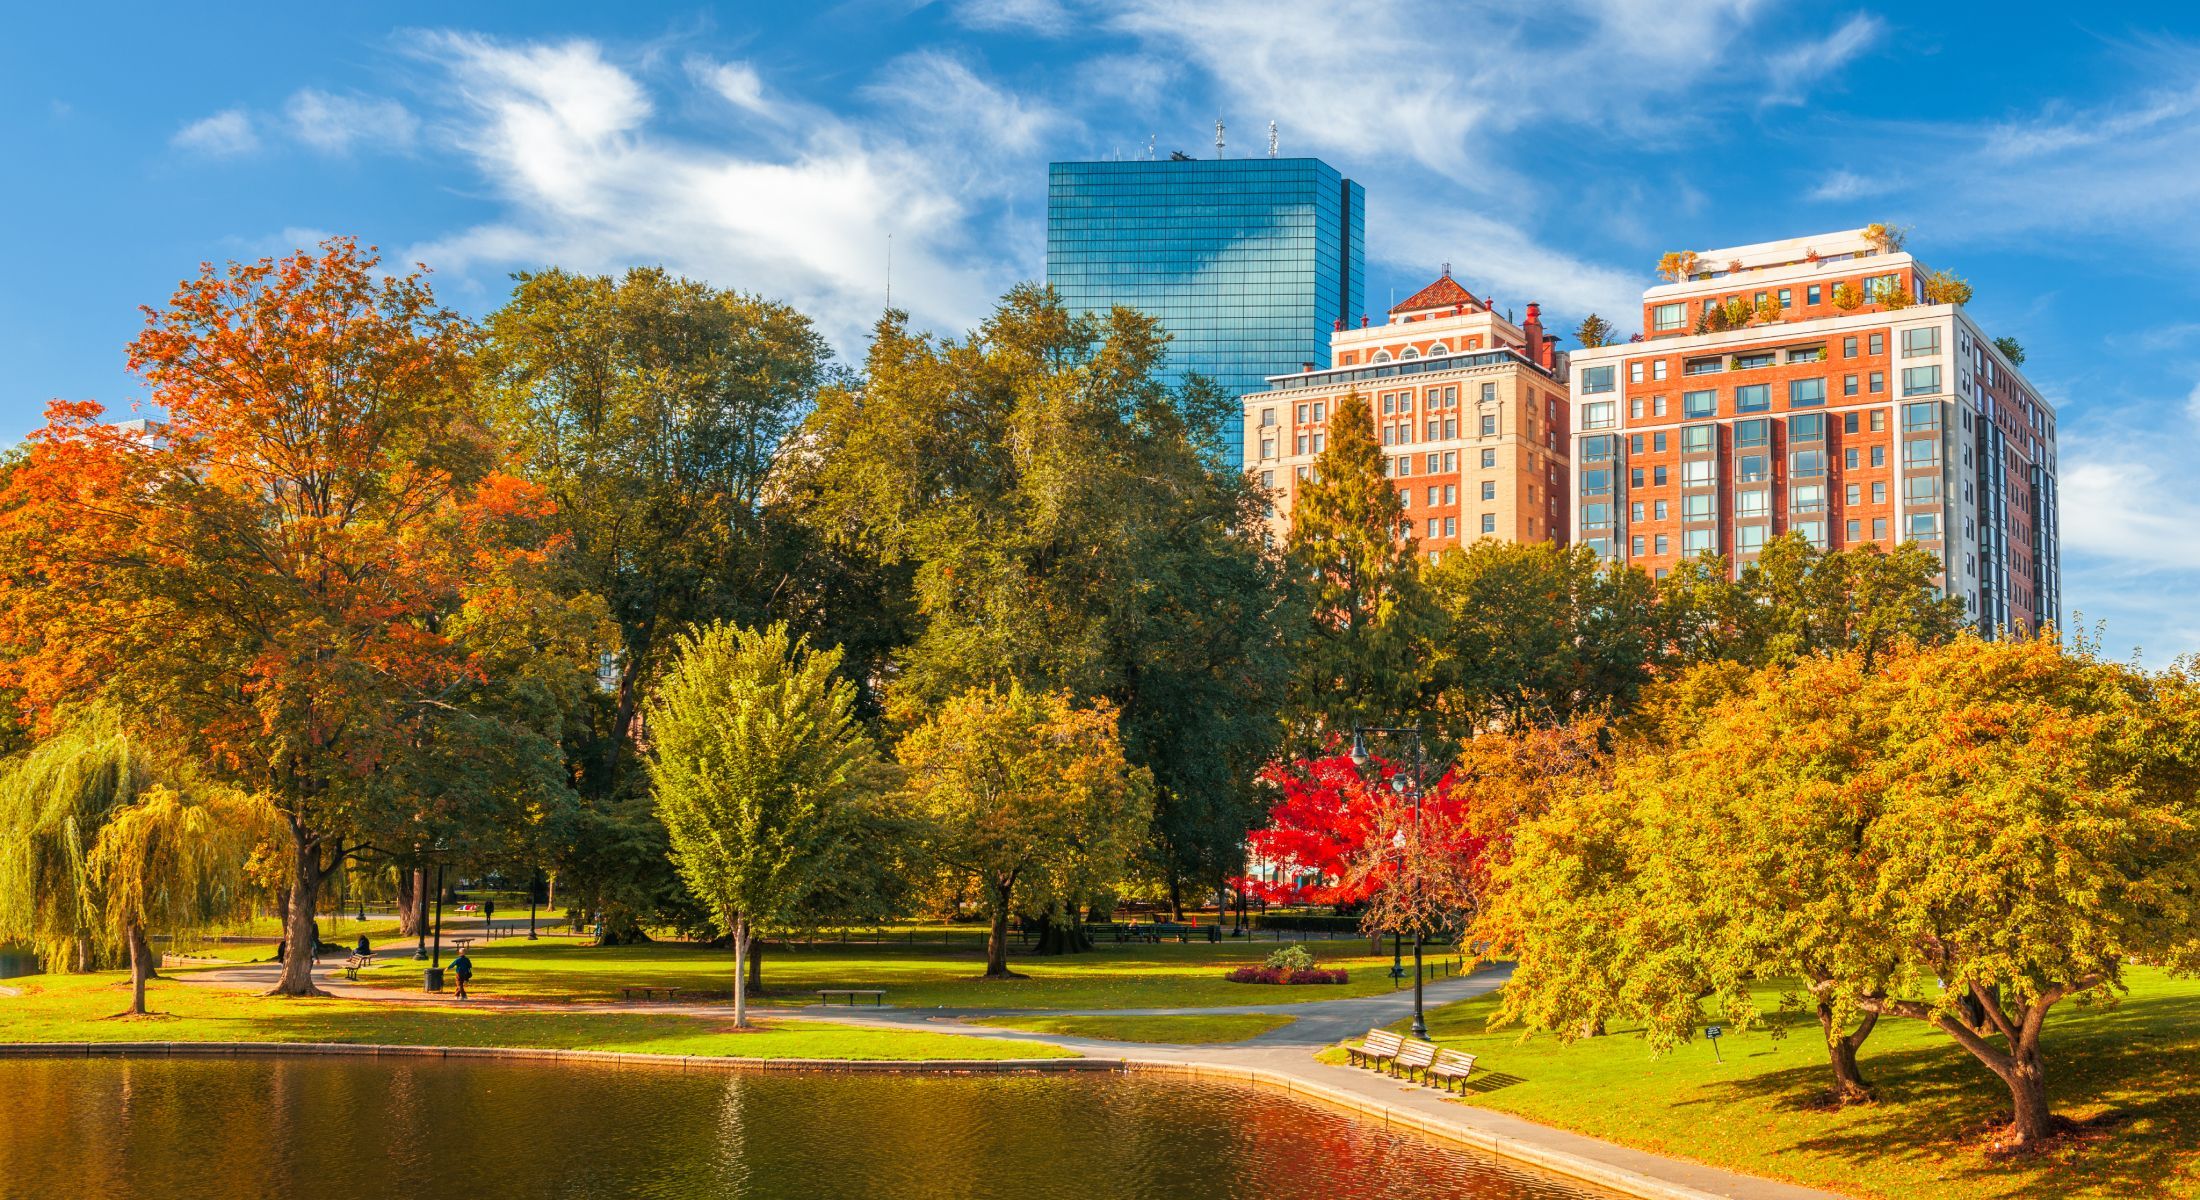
(337, 124)
(1794, 71)
(2192, 404)
(1047, 17)
(569, 142)
(737, 82)
(226, 134)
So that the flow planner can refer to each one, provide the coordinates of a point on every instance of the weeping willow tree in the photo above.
(105, 843)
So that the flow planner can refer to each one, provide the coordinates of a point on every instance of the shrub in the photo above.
(1277, 975)
(1291, 958)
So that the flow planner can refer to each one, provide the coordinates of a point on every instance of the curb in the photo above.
(1554, 1162)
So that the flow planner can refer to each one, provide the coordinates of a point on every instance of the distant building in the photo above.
(1248, 263)
(1470, 410)
(1828, 411)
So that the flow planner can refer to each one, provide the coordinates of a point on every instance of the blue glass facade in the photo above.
(1247, 263)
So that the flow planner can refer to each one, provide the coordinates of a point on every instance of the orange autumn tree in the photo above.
(270, 573)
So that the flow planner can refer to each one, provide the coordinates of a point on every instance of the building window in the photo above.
(1787, 298)
(1321, 411)
(1599, 414)
(1433, 460)
(1879, 529)
(1848, 458)
(1924, 452)
(1808, 428)
(1803, 393)
(1696, 439)
(1634, 477)
(1879, 492)
(1753, 397)
(1878, 382)
(1848, 347)
(1268, 479)
(1696, 508)
(1811, 294)
(1489, 489)
(1751, 468)
(1451, 493)
(1924, 526)
(1438, 350)
(1752, 502)
(1877, 344)
(1751, 433)
(1703, 366)
(1451, 527)
(1749, 539)
(1597, 380)
(1879, 456)
(1658, 510)
(1380, 356)
(1855, 530)
(1435, 527)
(1660, 544)
(1451, 460)
(1807, 497)
(1634, 372)
(1489, 522)
(1666, 317)
(1319, 439)
(1922, 342)
(1848, 385)
(1267, 418)
(1920, 381)
(1408, 354)
(1700, 404)
(1807, 354)
(1451, 427)
(1696, 541)
(1751, 362)
(1657, 479)
(1854, 494)
(1489, 424)
(1302, 444)
(1657, 406)
(1489, 458)
(1433, 493)
(1657, 442)
(1635, 545)
(1267, 447)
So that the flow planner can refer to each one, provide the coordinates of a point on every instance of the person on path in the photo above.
(363, 950)
(489, 916)
(463, 967)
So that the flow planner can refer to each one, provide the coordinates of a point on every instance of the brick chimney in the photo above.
(1533, 328)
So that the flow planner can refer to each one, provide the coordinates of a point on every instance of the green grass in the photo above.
(1143, 976)
(1200, 1029)
(2135, 1065)
(84, 1008)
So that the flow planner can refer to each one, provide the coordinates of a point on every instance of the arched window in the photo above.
(1438, 350)
(1408, 353)
(1380, 356)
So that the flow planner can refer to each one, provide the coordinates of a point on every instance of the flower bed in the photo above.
(1286, 975)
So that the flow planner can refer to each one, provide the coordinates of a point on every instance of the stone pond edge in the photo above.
(1513, 1150)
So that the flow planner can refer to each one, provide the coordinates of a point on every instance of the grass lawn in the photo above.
(2134, 1069)
(83, 1008)
(1195, 1030)
(1141, 976)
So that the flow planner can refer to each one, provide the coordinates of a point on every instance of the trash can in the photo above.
(1214, 933)
(434, 979)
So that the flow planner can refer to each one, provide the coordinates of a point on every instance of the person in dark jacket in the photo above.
(463, 968)
(363, 950)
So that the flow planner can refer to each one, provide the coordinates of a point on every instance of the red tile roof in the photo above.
(1444, 293)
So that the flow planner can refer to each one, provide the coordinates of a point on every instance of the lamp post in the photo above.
(1412, 791)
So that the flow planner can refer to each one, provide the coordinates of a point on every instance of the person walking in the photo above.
(489, 917)
(463, 968)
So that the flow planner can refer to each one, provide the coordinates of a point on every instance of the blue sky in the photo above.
(1549, 151)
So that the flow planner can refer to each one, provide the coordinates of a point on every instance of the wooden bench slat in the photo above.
(1415, 1056)
(1451, 1065)
(1380, 1046)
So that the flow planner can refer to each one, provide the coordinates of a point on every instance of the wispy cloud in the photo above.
(226, 134)
(1793, 72)
(736, 82)
(1051, 18)
(339, 124)
(1846, 185)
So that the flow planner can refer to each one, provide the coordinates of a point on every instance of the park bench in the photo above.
(1106, 932)
(1451, 1067)
(1415, 1056)
(877, 995)
(1380, 1046)
(353, 964)
(1161, 931)
(648, 992)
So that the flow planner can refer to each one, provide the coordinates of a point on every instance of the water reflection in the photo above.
(368, 1129)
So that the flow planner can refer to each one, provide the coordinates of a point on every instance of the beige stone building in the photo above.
(1470, 410)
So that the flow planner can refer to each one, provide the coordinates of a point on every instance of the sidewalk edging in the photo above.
(1556, 1162)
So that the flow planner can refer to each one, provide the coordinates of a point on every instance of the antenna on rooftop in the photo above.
(1218, 138)
(1271, 139)
(1151, 138)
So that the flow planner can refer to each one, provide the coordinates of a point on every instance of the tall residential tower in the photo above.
(1817, 385)
(1248, 263)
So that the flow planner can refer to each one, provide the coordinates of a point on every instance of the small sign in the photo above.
(1712, 1032)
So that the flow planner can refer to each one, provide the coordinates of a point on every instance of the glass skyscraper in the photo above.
(1248, 263)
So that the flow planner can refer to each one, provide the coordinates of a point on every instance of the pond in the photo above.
(14, 962)
(367, 1129)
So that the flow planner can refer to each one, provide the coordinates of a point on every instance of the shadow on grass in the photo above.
(2123, 1076)
(1484, 1082)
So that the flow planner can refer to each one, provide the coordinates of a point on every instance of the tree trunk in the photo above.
(756, 964)
(2031, 1123)
(1176, 896)
(1848, 1080)
(1057, 937)
(740, 971)
(141, 968)
(410, 890)
(299, 940)
(996, 945)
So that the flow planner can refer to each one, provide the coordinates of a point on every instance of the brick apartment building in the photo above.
(1470, 410)
(1845, 406)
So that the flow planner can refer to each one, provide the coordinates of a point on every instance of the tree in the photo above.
(650, 410)
(1353, 549)
(1847, 297)
(754, 753)
(1943, 287)
(1594, 331)
(1965, 835)
(267, 577)
(2011, 349)
(1890, 294)
(1065, 528)
(1030, 796)
(1769, 310)
(1794, 600)
(105, 840)
(1677, 265)
(1889, 239)
(1530, 633)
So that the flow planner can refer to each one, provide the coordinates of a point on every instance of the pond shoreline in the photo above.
(1438, 1126)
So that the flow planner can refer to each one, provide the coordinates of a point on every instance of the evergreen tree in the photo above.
(1353, 550)
(1594, 331)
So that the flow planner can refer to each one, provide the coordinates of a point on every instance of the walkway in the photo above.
(1280, 1056)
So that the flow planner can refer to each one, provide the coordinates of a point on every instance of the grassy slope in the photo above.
(82, 1008)
(1195, 1030)
(1754, 1112)
(922, 977)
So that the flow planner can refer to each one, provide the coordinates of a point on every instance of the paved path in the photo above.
(1285, 1053)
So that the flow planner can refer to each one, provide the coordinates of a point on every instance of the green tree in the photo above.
(1530, 632)
(1031, 797)
(1354, 551)
(1066, 528)
(2011, 349)
(1594, 331)
(754, 750)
